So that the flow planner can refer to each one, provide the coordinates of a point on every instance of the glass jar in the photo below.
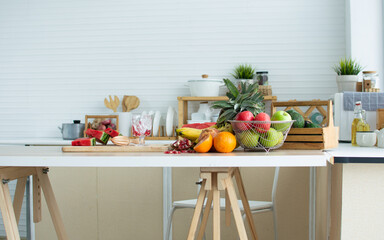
(262, 77)
(371, 75)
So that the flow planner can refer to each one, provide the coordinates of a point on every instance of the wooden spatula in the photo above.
(130, 102)
(112, 104)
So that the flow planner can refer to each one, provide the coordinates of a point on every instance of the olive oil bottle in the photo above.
(359, 124)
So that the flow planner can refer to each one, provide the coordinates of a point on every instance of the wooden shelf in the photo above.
(183, 105)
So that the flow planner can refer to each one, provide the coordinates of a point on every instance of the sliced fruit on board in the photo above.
(199, 125)
(111, 132)
(100, 136)
(84, 142)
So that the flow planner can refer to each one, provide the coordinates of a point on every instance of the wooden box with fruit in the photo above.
(306, 133)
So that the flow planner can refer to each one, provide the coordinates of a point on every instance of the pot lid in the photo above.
(204, 78)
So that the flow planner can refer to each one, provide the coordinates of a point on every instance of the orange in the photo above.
(224, 142)
(204, 144)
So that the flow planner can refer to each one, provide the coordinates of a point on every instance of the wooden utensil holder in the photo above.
(310, 138)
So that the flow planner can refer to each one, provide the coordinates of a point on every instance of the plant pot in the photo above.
(246, 81)
(347, 82)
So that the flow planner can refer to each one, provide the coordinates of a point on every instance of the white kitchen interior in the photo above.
(60, 59)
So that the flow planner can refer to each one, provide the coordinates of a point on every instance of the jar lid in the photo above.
(204, 78)
(262, 72)
(368, 72)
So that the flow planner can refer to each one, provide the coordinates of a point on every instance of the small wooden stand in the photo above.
(11, 213)
(216, 180)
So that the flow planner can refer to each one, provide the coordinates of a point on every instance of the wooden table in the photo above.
(22, 157)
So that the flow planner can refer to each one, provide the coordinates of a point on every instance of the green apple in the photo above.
(249, 138)
(281, 138)
(270, 138)
(281, 116)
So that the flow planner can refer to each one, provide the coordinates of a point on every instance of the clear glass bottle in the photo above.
(262, 77)
(359, 124)
(373, 76)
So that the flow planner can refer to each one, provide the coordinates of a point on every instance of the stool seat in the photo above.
(254, 205)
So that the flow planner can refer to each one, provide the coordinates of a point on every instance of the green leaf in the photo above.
(221, 104)
(232, 88)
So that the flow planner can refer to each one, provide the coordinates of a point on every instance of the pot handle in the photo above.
(61, 130)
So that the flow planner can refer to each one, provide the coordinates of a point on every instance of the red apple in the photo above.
(262, 127)
(244, 116)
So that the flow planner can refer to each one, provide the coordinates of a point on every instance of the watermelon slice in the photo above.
(84, 142)
(100, 136)
(200, 125)
(111, 132)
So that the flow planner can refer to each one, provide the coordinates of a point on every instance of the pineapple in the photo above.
(248, 98)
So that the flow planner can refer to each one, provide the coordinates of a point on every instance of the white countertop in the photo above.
(347, 150)
(52, 156)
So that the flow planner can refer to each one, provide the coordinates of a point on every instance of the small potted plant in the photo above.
(347, 70)
(244, 73)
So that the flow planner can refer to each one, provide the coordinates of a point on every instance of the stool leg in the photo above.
(19, 196)
(52, 204)
(205, 216)
(245, 202)
(8, 213)
(36, 199)
(227, 210)
(235, 208)
(197, 212)
(216, 208)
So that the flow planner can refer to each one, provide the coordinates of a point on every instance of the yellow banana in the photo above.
(190, 133)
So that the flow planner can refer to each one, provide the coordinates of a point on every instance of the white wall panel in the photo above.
(59, 59)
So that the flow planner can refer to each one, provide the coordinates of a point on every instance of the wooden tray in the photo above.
(310, 138)
(113, 148)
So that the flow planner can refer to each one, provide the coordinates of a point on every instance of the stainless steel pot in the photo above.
(72, 131)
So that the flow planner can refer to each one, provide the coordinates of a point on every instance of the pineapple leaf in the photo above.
(231, 87)
(221, 104)
(230, 96)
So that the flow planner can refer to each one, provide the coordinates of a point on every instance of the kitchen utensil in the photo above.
(130, 103)
(124, 140)
(205, 87)
(366, 138)
(72, 131)
(169, 121)
(112, 104)
(380, 138)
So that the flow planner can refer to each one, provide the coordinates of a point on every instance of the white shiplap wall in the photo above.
(59, 59)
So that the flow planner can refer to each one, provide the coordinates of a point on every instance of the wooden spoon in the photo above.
(112, 104)
(130, 103)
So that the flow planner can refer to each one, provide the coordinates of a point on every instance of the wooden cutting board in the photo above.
(112, 148)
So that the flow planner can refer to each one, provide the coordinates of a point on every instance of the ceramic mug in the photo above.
(366, 139)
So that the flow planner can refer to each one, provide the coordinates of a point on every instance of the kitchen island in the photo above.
(35, 156)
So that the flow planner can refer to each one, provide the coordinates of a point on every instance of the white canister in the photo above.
(366, 139)
(205, 87)
(125, 123)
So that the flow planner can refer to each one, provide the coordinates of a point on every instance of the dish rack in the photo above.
(325, 137)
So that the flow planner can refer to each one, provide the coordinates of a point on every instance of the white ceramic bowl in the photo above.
(366, 139)
(205, 87)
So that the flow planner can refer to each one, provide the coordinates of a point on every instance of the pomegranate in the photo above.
(182, 144)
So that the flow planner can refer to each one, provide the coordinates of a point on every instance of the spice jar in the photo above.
(262, 77)
(371, 75)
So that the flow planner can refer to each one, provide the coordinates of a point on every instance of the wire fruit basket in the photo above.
(261, 135)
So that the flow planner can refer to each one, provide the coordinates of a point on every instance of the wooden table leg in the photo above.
(245, 202)
(8, 213)
(19, 196)
(52, 204)
(197, 212)
(235, 208)
(227, 210)
(205, 216)
(36, 199)
(216, 207)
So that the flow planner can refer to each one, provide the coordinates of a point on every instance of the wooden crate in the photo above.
(310, 138)
(265, 90)
(380, 118)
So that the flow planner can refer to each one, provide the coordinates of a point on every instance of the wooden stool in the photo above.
(11, 213)
(214, 181)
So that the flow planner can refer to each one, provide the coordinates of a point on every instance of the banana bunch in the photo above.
(190, 133)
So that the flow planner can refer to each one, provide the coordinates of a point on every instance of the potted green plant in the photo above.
(243, 73)
(347, 70)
